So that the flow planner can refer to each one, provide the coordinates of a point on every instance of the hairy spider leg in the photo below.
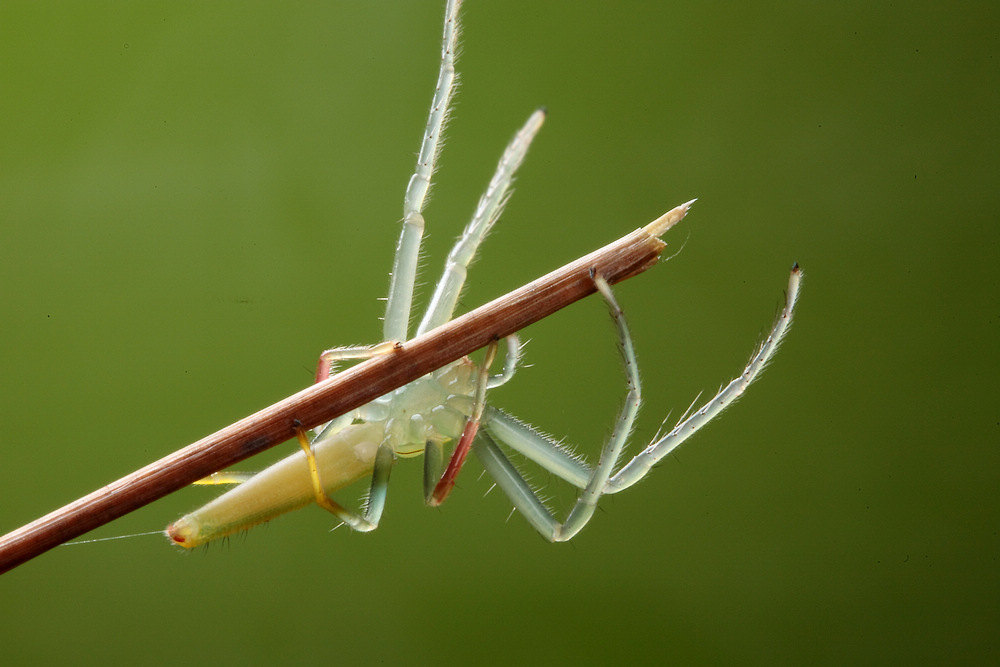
(499, 427)
(395, 326)
(328, 358)
(369, 519)
(643, 462)
(514, 484)
(438, 484)
(446, 482)
(488, 211)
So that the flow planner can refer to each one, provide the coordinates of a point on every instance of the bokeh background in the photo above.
(196, 198)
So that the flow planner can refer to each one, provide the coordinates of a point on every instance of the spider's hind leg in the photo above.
(549, 455)
(644, 461)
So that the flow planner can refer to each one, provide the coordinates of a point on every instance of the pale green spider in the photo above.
(448, 406)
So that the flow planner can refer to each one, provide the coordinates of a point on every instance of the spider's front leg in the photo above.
(404, 269)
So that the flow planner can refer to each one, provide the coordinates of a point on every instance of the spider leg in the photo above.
(446, 480)
(404, 269)
(511, 359)
(639, 466)
(434, 468)
(521, 437)
(224, 477)
(324, 369)
(500, 428)
(536, 446)
(327, 366)
(328, 358)
(368, 520)
(491, 204)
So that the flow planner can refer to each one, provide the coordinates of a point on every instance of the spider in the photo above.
(447, 409)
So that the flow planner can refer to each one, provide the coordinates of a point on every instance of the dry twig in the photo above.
(345, 391)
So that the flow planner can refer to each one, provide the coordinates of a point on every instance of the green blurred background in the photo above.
(196, 198)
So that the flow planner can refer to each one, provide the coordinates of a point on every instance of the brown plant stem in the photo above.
(343, 392)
